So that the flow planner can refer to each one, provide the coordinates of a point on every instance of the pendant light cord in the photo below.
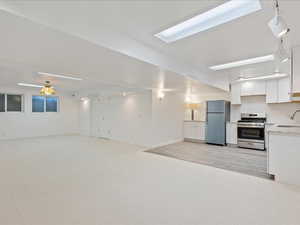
(277, 6)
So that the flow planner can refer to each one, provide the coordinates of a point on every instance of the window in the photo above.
(11, 103)
(44, 104)
(14, 103)
(38, 104)
(2, 102)
(51, 104)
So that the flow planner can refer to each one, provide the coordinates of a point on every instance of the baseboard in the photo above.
(41, 136)
(194, 140)
(167, 143)
(232, 145)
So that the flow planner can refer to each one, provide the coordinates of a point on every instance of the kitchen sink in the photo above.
(289, 126)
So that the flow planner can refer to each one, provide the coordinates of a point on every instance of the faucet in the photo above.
(294, 114)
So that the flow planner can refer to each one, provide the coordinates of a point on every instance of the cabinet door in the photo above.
(272, 91)
(296, 70)
(284, 90)
(231, 133)
(202, 130)
(253, 88)
(236, 94)
(188, 131)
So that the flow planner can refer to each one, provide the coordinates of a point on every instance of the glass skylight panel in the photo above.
(222, 14)
(244, 62)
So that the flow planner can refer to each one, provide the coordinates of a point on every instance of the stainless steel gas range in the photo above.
(251, 131)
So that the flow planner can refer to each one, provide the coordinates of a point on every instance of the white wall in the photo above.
(121, 118)
(202, 99)
(167, 118)
(140, 118)
(276, 113)
(27, 124)
(85, 117)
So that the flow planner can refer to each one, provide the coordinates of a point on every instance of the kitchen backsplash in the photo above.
(276, 113)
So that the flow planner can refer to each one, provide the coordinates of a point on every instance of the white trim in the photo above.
(42, 136)
(167, 143)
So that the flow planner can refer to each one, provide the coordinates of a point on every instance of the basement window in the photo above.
(14, 103)
(11, 103)
(2, 102)
(44, 104)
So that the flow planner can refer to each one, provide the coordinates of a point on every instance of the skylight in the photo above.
(59, 76)
(30, 85)
(244, 62)
(222, 14)
(268, 77)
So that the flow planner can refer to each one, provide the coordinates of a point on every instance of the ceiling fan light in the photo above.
(47, 89)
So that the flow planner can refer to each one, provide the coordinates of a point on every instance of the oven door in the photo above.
(256, 134)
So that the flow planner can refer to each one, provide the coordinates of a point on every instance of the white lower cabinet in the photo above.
(284, 157)
(194, 130)
(231, 133)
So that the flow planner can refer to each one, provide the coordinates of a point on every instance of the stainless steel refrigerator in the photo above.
(218, 113)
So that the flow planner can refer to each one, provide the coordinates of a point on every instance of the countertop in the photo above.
(285, 130)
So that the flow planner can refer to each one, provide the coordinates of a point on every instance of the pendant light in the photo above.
(47, 89)
(277, 24)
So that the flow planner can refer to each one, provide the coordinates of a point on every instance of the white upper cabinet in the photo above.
(296, 70)
(272, 91)
(278, 91)
(284, 90)
(253, 88)
(235, 94)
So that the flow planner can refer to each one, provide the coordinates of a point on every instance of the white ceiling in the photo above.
(128, 27)
(28, 48)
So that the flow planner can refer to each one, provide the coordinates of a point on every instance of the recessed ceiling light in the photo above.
(243, 62)
(59, 76)
(222, 14)
(30, 85)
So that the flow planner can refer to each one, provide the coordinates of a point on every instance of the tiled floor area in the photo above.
(240, 160)
(85, 181)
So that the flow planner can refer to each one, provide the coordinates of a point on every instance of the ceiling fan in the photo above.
(47, 89)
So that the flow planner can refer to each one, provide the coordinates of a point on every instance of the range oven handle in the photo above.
(251, 125)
